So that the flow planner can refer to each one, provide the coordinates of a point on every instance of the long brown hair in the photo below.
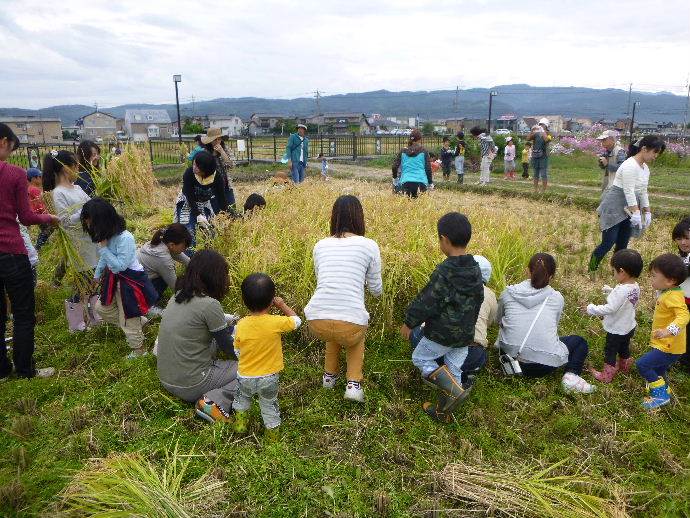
(84, 154)
(347, 216)
(541, 268)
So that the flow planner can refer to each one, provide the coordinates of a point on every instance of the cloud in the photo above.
(118, 52)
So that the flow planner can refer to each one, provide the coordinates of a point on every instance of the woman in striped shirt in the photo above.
(344, 263)
(489, 151)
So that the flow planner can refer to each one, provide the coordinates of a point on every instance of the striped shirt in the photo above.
(342, 266)
(488, 146)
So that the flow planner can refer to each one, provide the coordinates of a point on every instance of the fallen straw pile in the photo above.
(529, 491)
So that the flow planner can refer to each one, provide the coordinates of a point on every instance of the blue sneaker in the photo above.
(658, 395)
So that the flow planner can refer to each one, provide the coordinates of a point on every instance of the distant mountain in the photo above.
(518, 99)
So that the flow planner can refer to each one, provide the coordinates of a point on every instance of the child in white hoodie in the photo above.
(618, 314)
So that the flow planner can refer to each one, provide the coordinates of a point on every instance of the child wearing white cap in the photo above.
(509, 160)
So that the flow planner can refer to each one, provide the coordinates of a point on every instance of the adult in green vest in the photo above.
(412, 167)
(297, 153)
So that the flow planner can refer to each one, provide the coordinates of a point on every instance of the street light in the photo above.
(177, 78)
(491, 98)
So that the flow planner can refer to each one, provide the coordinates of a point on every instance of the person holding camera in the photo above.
(613, 156)
(528, 315)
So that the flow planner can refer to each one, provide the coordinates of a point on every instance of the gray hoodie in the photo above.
(158, 262)
(517, 307)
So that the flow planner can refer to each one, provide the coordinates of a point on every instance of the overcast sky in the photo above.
(117, 52)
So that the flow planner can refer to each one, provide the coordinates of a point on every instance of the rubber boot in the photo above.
(624, 364)
(606, 375)
(94, 318)
(461, 178)
(658, 395)
(272, 435)
(444, 380)
(75, 316)
(594, 263)
(241, 420)
(434, 411)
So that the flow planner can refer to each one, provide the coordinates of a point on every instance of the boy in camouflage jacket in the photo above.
(440, 322)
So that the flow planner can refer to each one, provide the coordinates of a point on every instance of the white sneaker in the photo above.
(329, 380)
(154, 312)
(574, 383)
(46, 372)
(354, 392)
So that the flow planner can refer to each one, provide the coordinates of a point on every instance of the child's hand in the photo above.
(606, 289)
(103, 243)
(278, 302)
(405, 331)
(661, 333)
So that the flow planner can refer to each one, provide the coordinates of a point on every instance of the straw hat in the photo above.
(211, 135)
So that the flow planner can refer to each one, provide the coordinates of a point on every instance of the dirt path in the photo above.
(374, 172)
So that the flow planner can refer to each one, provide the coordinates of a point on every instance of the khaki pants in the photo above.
(339, 334)
(114, 314)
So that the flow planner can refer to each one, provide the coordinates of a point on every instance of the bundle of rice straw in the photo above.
(126, 178)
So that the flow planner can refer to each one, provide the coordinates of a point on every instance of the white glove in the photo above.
(202, 221)
(589, 309)
(647, 219)
(636, 219)
(431, 186)
(606, 289)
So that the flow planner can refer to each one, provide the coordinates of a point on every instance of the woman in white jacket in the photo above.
(528, 316)
(625, 206)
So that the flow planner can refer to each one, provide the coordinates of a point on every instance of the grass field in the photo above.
(337, 458)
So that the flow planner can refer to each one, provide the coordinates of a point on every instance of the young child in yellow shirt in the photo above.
(259, 348)
(668, 328)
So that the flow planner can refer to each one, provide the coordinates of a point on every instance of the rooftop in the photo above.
(29, 118)
(147, 116)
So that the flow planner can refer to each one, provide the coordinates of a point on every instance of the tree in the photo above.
(69, 135)
(189, 128)
(427, 129)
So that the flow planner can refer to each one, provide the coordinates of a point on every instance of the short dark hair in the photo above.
(197, 139)
(456, 227)
(476, 131)
(206, 163)
(682, 229)
(670, 266)
(100, 220)
(630, 261)
(205, 275)
(541, 268)
(258, 291)
(347, 216)
(84, 154)
(6, 132)
(446, 139)
(253, 201)
(173, 233)
(460, 134)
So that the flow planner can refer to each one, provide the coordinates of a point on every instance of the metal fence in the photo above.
(169, 152)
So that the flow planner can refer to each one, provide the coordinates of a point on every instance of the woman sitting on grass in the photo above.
(158, 258)
(192, 329)
(528, 315)
(413, 166)
(126, 292)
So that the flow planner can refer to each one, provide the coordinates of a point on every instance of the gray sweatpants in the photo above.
(266, 387)
(218, 386)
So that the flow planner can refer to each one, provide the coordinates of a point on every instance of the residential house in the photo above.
(263, 123)
(35, 130)
(230, 125)
(577, 125)
(97, 126)
(464, 124)
(340, 123)
(507, 121)
(646, 127)
(380, 125)
(142, 125)
(556, 122)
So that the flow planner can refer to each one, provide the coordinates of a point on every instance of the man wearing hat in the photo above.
(612, 157)
(297, 152)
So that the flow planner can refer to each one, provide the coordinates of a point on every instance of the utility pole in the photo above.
(193, 107)
(491, 98)
(632, 120)
(685, 118)
(456, 106)
(177, 78)
(627, 110)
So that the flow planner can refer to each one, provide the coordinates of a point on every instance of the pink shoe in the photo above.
(605, 376)
(624, 365)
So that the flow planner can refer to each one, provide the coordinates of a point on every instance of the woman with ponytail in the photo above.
(528, 316)
(159, 255)
(60, 172)
(624, 209)
(413, 166)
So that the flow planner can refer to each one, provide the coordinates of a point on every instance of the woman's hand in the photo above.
(54, 220)
(661, 333)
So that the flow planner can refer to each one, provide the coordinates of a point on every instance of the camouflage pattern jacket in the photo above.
(449, 303)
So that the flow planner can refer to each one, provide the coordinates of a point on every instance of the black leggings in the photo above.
(412, 189)
(617, 346)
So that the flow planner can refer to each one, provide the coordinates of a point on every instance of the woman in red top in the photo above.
(15, 270)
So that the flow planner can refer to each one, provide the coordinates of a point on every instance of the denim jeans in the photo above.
(266, 387)
(219, 385)
(577, 354)
(191, 224)
(618, 235)
(297, 171)
(460, 165)
(428, 355)
(16, 281)
(654, 364)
